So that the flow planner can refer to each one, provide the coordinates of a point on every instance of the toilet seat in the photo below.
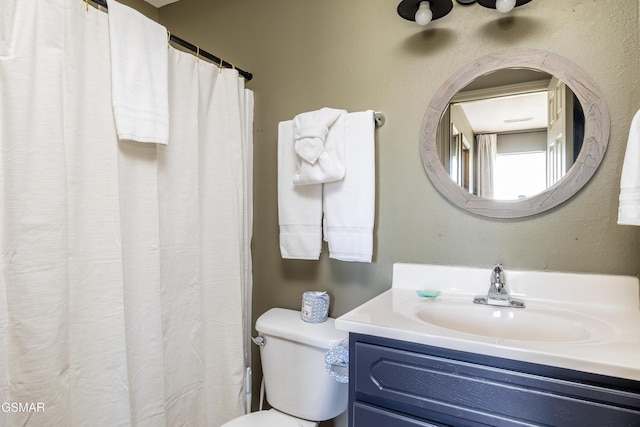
(270, 418)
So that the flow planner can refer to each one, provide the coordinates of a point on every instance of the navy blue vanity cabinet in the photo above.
(400, 384)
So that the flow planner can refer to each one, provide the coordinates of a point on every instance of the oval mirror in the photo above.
(537, 154)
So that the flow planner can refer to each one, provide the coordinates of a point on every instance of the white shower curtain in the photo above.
(125, 267)
(487, 149)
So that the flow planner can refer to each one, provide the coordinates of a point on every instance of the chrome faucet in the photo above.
(497, 280)
(498, 293)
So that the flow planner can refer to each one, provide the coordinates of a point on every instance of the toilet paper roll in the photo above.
(315, 306)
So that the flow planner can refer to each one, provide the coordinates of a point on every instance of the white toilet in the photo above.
(298, 387)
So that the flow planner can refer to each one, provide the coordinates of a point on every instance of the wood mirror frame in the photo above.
(596, 133)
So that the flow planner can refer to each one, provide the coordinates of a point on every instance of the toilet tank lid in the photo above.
(288, 324)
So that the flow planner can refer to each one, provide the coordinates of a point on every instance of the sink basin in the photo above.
(584, 322)
(528, 324)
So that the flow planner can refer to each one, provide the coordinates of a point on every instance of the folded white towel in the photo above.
(299, 206)
(349, 204)
(629, 208)
(139, 75)
(320, 146)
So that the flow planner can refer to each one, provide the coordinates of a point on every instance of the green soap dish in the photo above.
(427, 293)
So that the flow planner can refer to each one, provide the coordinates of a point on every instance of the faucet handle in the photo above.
(497, 274)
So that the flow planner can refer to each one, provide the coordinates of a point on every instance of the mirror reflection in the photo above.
(511, 134)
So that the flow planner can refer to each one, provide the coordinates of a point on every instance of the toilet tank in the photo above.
(296, 380)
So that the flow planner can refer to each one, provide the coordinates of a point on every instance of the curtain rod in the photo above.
(195, 49)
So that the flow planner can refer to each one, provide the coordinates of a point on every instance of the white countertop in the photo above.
(614, 301)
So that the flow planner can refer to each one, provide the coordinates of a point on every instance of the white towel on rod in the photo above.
(299, 206)
(349, 204)
(319, 143)
(629, 208)
(139, 75)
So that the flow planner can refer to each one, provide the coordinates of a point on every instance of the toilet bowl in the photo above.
(298, 387)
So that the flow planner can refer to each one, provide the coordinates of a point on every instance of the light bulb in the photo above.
(505, 6)
(424, 14)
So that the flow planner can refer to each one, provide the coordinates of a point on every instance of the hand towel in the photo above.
(319, 145)
(349, 204)
(299, 206)
(629, 208)
(139, 75)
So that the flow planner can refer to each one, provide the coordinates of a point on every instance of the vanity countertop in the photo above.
(605, 309)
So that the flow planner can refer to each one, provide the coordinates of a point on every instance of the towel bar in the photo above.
(379, 118)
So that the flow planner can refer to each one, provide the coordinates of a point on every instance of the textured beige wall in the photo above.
(360, 55)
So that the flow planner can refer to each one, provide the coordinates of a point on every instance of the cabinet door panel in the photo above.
(370, 416)
(425, 385)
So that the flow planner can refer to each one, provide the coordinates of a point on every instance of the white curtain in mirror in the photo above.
(487, 150)
(125, 268)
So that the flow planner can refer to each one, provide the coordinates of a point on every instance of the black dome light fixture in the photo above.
(423, 12)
